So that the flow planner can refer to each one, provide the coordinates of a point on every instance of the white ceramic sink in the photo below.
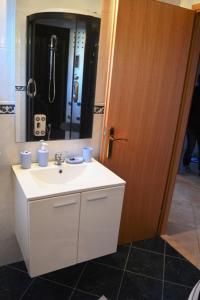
(41, 182)
(59, 174)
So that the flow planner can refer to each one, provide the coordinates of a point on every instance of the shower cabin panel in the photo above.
(89, 76)
(61, 74)
(49, 48)
(70, 73)
(78, 78)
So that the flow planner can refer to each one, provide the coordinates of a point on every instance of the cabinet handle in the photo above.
(97, 198)
(64, 204)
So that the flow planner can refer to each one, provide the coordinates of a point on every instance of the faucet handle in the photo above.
(58, 158)
(58, 155)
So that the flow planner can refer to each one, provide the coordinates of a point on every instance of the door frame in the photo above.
(182, 118)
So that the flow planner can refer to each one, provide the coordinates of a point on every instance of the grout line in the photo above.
(17, 269)
(87, 293)
(72, 293)
(106, 265)
(143, 275)
(179, 284)
(147, 250)
(163, 282)
(26, 290)
(55, 282)
(120, 285)
(81, 275)
(177, 257)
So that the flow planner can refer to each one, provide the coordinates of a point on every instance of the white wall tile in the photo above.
(20, 65)
(3, 23)
(4, 74)
(7, 67)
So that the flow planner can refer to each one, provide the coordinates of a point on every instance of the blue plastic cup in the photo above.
(25, 159)
(87, 154)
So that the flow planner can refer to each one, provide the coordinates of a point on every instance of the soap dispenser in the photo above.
(43, 154)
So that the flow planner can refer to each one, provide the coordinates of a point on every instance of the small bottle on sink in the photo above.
(43, 154)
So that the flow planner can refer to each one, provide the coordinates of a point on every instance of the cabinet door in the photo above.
(53, 233)
(99, 222)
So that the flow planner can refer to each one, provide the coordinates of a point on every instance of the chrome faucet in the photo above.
(58, 158)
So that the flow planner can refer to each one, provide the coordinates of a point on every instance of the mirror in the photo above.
(61, 63)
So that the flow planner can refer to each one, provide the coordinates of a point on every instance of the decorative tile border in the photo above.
(20, 88)
(7, 109)
(99, 109)
(10, 108)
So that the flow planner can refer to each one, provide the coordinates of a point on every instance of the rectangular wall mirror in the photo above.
(61, 52)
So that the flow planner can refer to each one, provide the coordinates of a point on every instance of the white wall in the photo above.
(174, 2)
(7, 90)
(182, 3)
(9, 251)
(86, 5)
(189, 3)
(186, 3)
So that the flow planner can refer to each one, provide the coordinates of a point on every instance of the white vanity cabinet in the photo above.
(57, 232)
(53, 233)
(62, 219)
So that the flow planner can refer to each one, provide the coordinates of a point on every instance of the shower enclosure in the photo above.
(62, 50)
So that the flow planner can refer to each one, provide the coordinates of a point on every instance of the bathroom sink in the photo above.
(41, 182)
(58, 174)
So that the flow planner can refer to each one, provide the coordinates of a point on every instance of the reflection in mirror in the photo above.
(62, 50)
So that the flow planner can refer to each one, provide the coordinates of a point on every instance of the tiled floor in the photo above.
(149, 270)
(183, 229)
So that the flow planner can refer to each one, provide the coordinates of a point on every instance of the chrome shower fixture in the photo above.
(52, 67)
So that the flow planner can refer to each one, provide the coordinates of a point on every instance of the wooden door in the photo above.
(149, 66)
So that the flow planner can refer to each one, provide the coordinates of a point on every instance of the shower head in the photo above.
(53, 42)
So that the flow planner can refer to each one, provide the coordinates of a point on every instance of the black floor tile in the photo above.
(170, 251)
(67, 276)
(100, 280)
(146, 263)
(19, 266)
(13, 283)
(136, 287)
(83, 296)
(181, 271)
(142, 280)
(175, 292)
(45, 290)
(117, 259)
(4, 295)
(156, 244)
